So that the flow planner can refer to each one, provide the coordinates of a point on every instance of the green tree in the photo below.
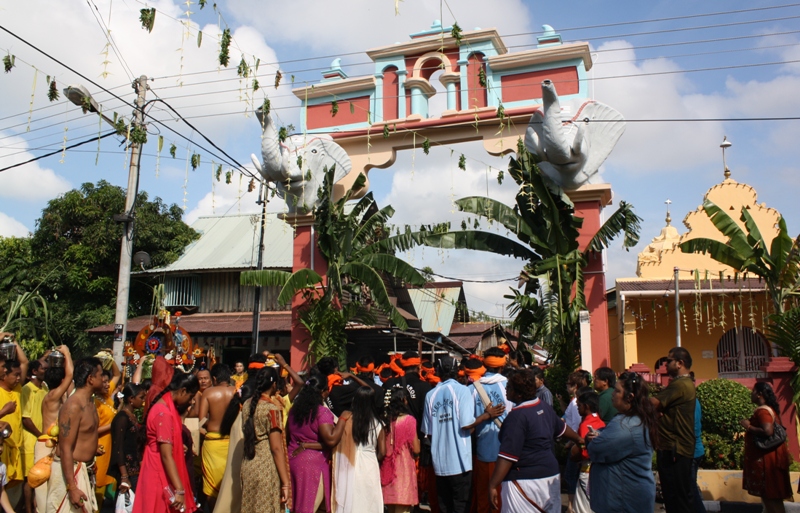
(347, 237)
(547, 307)
(75, 248)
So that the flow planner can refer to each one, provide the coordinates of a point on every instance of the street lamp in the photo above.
(80, 96)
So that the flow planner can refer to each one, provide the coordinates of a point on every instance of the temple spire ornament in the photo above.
(725, 145)
(669, 218)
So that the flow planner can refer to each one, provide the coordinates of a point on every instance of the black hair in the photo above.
(637, 394)
(537, 372)
(12, 364)
(583, 390)
(575, 379)
(471, 363)
(496, 352)
(523, 384)
(765, 390)
(265, 379)
(84, 368)
(107, 374)
(129, 391)
(364, 413)
(606, 374)
(54, 376)
(244, 393)
(328, 365)
(34, 366)
(447, 367)
(680, 353)
(407, 356)
(304, 408)
(221, 373)
(146, 384)
(180, 380)
(396, 399)
(365, 361)
(257, 358)
(587, 377)
(591, 400)
(521, 356)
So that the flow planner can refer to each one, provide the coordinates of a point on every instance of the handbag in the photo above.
(768, 443)
(39, 473)
(124, 502)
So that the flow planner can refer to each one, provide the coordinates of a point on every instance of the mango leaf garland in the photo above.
(335, 108)
(224, 45)
(352, 108)
(228, 175)
(278, 77)
(385, 131)
(218, 173)
(482, 77)
(282, 134)
(52, 92)
(426, 146)
(148, 18)
(203, 3)
(9, 62)
(195, 161)
(265, 107)
(172, 149)
(462, 162)
(500, 176)
(199, 38)
(252, 185)
(243, 70)
(456, 33)
(255, 85)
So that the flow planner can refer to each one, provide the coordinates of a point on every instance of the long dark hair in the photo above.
(244, 393)
(637, 394)
(265, 379)
(397, 405)
(129, 391)
(179, 380)
(765, 390)
(364, 412)
(304, 408)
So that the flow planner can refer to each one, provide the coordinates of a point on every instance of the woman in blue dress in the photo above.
(622, 453)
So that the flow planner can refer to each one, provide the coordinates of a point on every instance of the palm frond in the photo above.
(377, 289)
(623, 221)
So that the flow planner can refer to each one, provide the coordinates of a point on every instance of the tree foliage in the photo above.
(73, 258)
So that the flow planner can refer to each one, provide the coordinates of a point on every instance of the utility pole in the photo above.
(127, 218)
(677, 309)
(262, 200)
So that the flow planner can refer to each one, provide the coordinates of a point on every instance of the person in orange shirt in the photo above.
(106, 413)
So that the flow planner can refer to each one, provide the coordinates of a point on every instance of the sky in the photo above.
(707, 66)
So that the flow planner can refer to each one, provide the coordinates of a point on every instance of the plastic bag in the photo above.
(124, 502)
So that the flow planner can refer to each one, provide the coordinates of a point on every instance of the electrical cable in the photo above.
(59, 151)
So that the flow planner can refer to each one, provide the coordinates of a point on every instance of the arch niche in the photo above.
(741, 352)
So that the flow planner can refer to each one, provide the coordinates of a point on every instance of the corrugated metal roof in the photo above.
(231, 242)
(436, 308)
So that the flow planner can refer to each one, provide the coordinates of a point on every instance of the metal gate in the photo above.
(741, 352)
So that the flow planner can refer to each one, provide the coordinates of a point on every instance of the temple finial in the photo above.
(725, 145)
(669, 218)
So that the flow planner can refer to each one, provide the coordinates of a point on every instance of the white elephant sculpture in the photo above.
(297, 165)
(572, 145)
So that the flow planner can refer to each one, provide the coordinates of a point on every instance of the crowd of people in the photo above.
(462, 436)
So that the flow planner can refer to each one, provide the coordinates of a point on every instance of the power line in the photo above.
(59, 151)
(113, 44)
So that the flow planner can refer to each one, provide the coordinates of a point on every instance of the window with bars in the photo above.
(741, 351)
(182, 291)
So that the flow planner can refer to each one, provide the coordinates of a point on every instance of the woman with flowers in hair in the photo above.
(265, 478)
(164, 485)
(622, 453)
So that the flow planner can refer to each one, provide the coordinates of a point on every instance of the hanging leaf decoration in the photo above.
(426, 146)
(352, 108)
(456, 33)
(385, 131)
(199, 38)
(224, 45)
(203, 3)
(160, 143)
(501, 111)
(278, 77)
(300, 161)
(462, 162)
(195, 161)
(265, 108)
(172, 149)
(218, 173)
(255, 85)
(482, 77)
(52, 92)
(282, 134)
(243, 70)
(258, 62)
(148, 18)
(500, 176)
(228, 175)
(252, 185)
(9, 61)
(334, 108)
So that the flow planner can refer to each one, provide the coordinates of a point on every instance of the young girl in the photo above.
(357, 477)
(398, 472)
(588, 405)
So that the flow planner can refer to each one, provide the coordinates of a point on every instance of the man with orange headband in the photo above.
(341, 396)
(487, 433)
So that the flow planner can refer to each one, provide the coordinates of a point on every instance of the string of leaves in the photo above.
(456, 33)
(462, 162)
(278, 77)
(335, 108)
(9, 61)
(224, 46)
(52, 91)
(148, 18)
(195, 161)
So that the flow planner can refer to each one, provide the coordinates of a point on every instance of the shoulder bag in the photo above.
(768, 443)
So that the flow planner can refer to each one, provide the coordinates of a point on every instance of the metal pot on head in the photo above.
(8, 349)
(55, 359)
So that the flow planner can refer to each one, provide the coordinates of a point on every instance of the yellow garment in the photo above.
(215, 458)
(40, 451)
(12, 446)
(287, 405)
(32, 398)
(57, 500)
(239, 380)
(229, 499)
(106, 413)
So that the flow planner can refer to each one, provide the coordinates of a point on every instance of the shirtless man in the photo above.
(70, 488)
(204, 378)
(59, 382)
(213, 405)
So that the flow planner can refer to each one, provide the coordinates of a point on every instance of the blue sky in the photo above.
(646, 70)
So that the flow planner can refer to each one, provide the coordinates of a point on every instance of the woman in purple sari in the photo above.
(311, 435)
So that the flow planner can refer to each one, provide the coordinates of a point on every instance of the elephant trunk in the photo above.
(554, 141)
(271, 151)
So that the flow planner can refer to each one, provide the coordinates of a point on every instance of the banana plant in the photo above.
(26, 314)
(347, 237)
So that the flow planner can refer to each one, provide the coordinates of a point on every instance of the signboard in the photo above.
(118, 336)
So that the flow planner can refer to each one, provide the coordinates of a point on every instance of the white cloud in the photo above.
(28, 182)
(10, 227)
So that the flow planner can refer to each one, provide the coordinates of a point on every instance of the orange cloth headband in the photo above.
(505, 347)
(494, 361)
(475, 374)
(396, 368)
(334, 380)
(368, 368)
(412, 362)
(256, 365)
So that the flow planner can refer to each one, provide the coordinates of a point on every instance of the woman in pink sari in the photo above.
(164, 485)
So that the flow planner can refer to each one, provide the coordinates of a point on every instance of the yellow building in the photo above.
(722, 313)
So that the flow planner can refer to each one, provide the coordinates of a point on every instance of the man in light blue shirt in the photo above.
(448, 420)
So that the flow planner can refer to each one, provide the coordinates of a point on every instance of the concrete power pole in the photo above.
(127, 218)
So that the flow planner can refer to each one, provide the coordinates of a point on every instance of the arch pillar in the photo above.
(421, 90)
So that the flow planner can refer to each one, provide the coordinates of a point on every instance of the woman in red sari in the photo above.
(164, 485)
